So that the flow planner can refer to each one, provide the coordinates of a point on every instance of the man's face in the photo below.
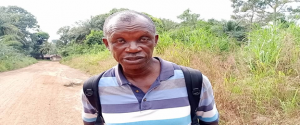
(131, 42)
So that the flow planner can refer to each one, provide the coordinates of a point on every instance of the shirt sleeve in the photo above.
(207, 111)
(89, 113)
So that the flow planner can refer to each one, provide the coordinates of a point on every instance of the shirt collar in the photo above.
(167, 71)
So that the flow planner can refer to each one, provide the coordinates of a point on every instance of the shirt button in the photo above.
(144, 99)
(137, 91)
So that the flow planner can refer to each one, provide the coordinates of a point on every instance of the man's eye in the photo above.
(144, 39)
(120, 41)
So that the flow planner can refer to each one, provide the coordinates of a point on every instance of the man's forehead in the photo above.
(119, 19)
(119, 23)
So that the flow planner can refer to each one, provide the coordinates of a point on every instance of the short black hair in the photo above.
(127, 16)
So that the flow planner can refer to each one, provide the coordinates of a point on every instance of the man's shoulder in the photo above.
(169, 63)
(110, 72)
(107, 76)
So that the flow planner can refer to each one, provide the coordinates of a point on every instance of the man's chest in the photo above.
(164, 103)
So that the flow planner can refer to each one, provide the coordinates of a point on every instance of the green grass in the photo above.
(10, 59)
(12, 63)
(90, 63)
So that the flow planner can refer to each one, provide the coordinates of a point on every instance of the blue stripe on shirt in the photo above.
(178, 74)
(118, 99)
(89, 119)
(211, 119)
(167, 94)
(108, 81)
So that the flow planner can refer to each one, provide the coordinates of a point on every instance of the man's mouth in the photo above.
(135, 59)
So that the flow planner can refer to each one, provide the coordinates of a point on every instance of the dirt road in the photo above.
(41, 95)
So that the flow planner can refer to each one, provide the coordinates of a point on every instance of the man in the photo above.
(141, 89)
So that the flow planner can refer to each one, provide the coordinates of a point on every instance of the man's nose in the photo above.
(133, 47)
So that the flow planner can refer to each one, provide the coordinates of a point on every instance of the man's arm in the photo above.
(207, 111)
(89, 114)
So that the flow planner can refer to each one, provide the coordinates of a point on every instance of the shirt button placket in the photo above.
(143, 104)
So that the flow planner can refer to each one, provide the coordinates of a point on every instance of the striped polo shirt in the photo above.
(165, 103)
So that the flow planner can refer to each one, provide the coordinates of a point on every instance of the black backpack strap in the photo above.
(90, 89)
(193, 81)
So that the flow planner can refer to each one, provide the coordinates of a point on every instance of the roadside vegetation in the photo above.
(21, 40)
(10, 59)
(253, 62)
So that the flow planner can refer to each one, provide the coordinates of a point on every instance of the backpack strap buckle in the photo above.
(89, 92)
(196, 92)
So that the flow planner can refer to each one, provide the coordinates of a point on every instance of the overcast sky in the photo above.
(53, 14)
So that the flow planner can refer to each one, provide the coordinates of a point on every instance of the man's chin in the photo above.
(133, 66)
(133, 61)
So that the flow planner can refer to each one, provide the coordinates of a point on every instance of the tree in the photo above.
(157, 22)
(189, 18)
(64, 36)
(45, 49)
(278, 6)
(15, 23)
(260, 11)
(22, 19)
(6, 26)
(294, 14)
(234, 30)
(9, 32)
(79, 33)
(246, 11)
(39, 39)
(95, 37)
(168, 24)
(97, 22)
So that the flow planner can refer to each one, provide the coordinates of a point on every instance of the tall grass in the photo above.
(10, 59)
(196, 40)
(92, 63)
(267, 75)
(261, 77)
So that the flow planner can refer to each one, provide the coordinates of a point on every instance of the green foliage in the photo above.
(235, 30)
(95, 37)
(261, 11)
(40, 44)
(158, 23)
(64, 35)
(17, 21)
(97, 21)
(10, 59)
(168, 25)
(45, 48)
(15, 26)
(17, 41)
(188, 18)
(264, 46)
(198, 39)
(77, 49)
(294, 14)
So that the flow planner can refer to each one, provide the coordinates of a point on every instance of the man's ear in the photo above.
(156, 39)
(105, 42)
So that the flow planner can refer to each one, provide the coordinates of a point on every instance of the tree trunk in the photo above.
(42, 55)
(252, 16)
(275, 16)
